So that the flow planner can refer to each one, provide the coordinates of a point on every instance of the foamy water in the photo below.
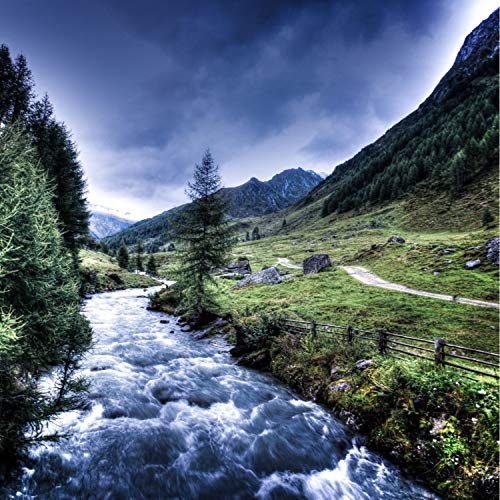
(171, 417)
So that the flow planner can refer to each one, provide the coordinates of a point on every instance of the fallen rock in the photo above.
(340, 387)
(240, 267)
(449, 250)
(363, 364)
(448, 261)
(472, 264)
(396, 239)
(269, 276)
(493, 250)
(436, 273)
(186, 328)
(163, 321)
(316, 263)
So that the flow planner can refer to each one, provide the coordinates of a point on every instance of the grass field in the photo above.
(334, 297)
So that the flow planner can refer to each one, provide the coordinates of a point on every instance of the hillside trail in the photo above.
(286, 263)
(370, 279)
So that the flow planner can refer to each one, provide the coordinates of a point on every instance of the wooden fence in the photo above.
(438, 351)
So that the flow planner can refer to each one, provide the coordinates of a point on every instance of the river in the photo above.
(174, 418)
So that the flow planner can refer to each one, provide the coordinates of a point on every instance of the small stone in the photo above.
(447, 262)
(396, 239)
(340, 387)
(472, 264)
(310, 250)
(436, 273)
(449, 250)
(363, 364)
(163, 321)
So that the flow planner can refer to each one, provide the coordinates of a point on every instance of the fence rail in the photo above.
(437, 351)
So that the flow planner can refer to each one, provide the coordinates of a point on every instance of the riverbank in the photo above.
(437, 425)
(101, 273)
(170, 416)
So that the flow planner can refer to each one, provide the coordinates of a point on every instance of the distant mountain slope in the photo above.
(106, 222)
(254, 198)
(257, 197)
(450, 141)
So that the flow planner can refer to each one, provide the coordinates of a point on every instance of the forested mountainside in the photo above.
(450, 141)
(250, 199)
(105, 223)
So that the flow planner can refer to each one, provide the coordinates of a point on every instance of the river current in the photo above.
(174, 418)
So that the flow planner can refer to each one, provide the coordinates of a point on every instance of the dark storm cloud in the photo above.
(250, 60)
(148, 85)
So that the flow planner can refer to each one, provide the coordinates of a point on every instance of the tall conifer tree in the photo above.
(203, 230)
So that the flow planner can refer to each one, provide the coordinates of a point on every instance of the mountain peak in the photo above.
(484, 38)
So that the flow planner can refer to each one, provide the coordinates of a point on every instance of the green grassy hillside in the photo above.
(102, 273)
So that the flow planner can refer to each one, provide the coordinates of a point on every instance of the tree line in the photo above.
(43, 223)
(445, 145)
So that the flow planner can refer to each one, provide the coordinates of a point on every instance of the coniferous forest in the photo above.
(43, 223)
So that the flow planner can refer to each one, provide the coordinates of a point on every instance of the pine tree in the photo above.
(487, 217)
(138, 259)
(151, 268)
(122, 256)
(104, 247)
(59, 157)
(39, 303)
(255, 234)
(203, 230)
(283, 224)
(247, 236)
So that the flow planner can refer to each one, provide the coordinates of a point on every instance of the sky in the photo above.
(147, 86)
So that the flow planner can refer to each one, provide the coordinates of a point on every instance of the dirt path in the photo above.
(368, 278)
(286, 263)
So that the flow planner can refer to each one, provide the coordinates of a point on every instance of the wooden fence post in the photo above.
(350, 334)
(382, 341)
(313, 328)
(439, 352)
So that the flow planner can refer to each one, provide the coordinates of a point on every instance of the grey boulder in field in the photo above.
(269, 276)
(315, 263)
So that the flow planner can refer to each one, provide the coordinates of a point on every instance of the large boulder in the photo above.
(493, 250)
(269, 276)
(240, 267)
(396, 239)
(315, 263)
